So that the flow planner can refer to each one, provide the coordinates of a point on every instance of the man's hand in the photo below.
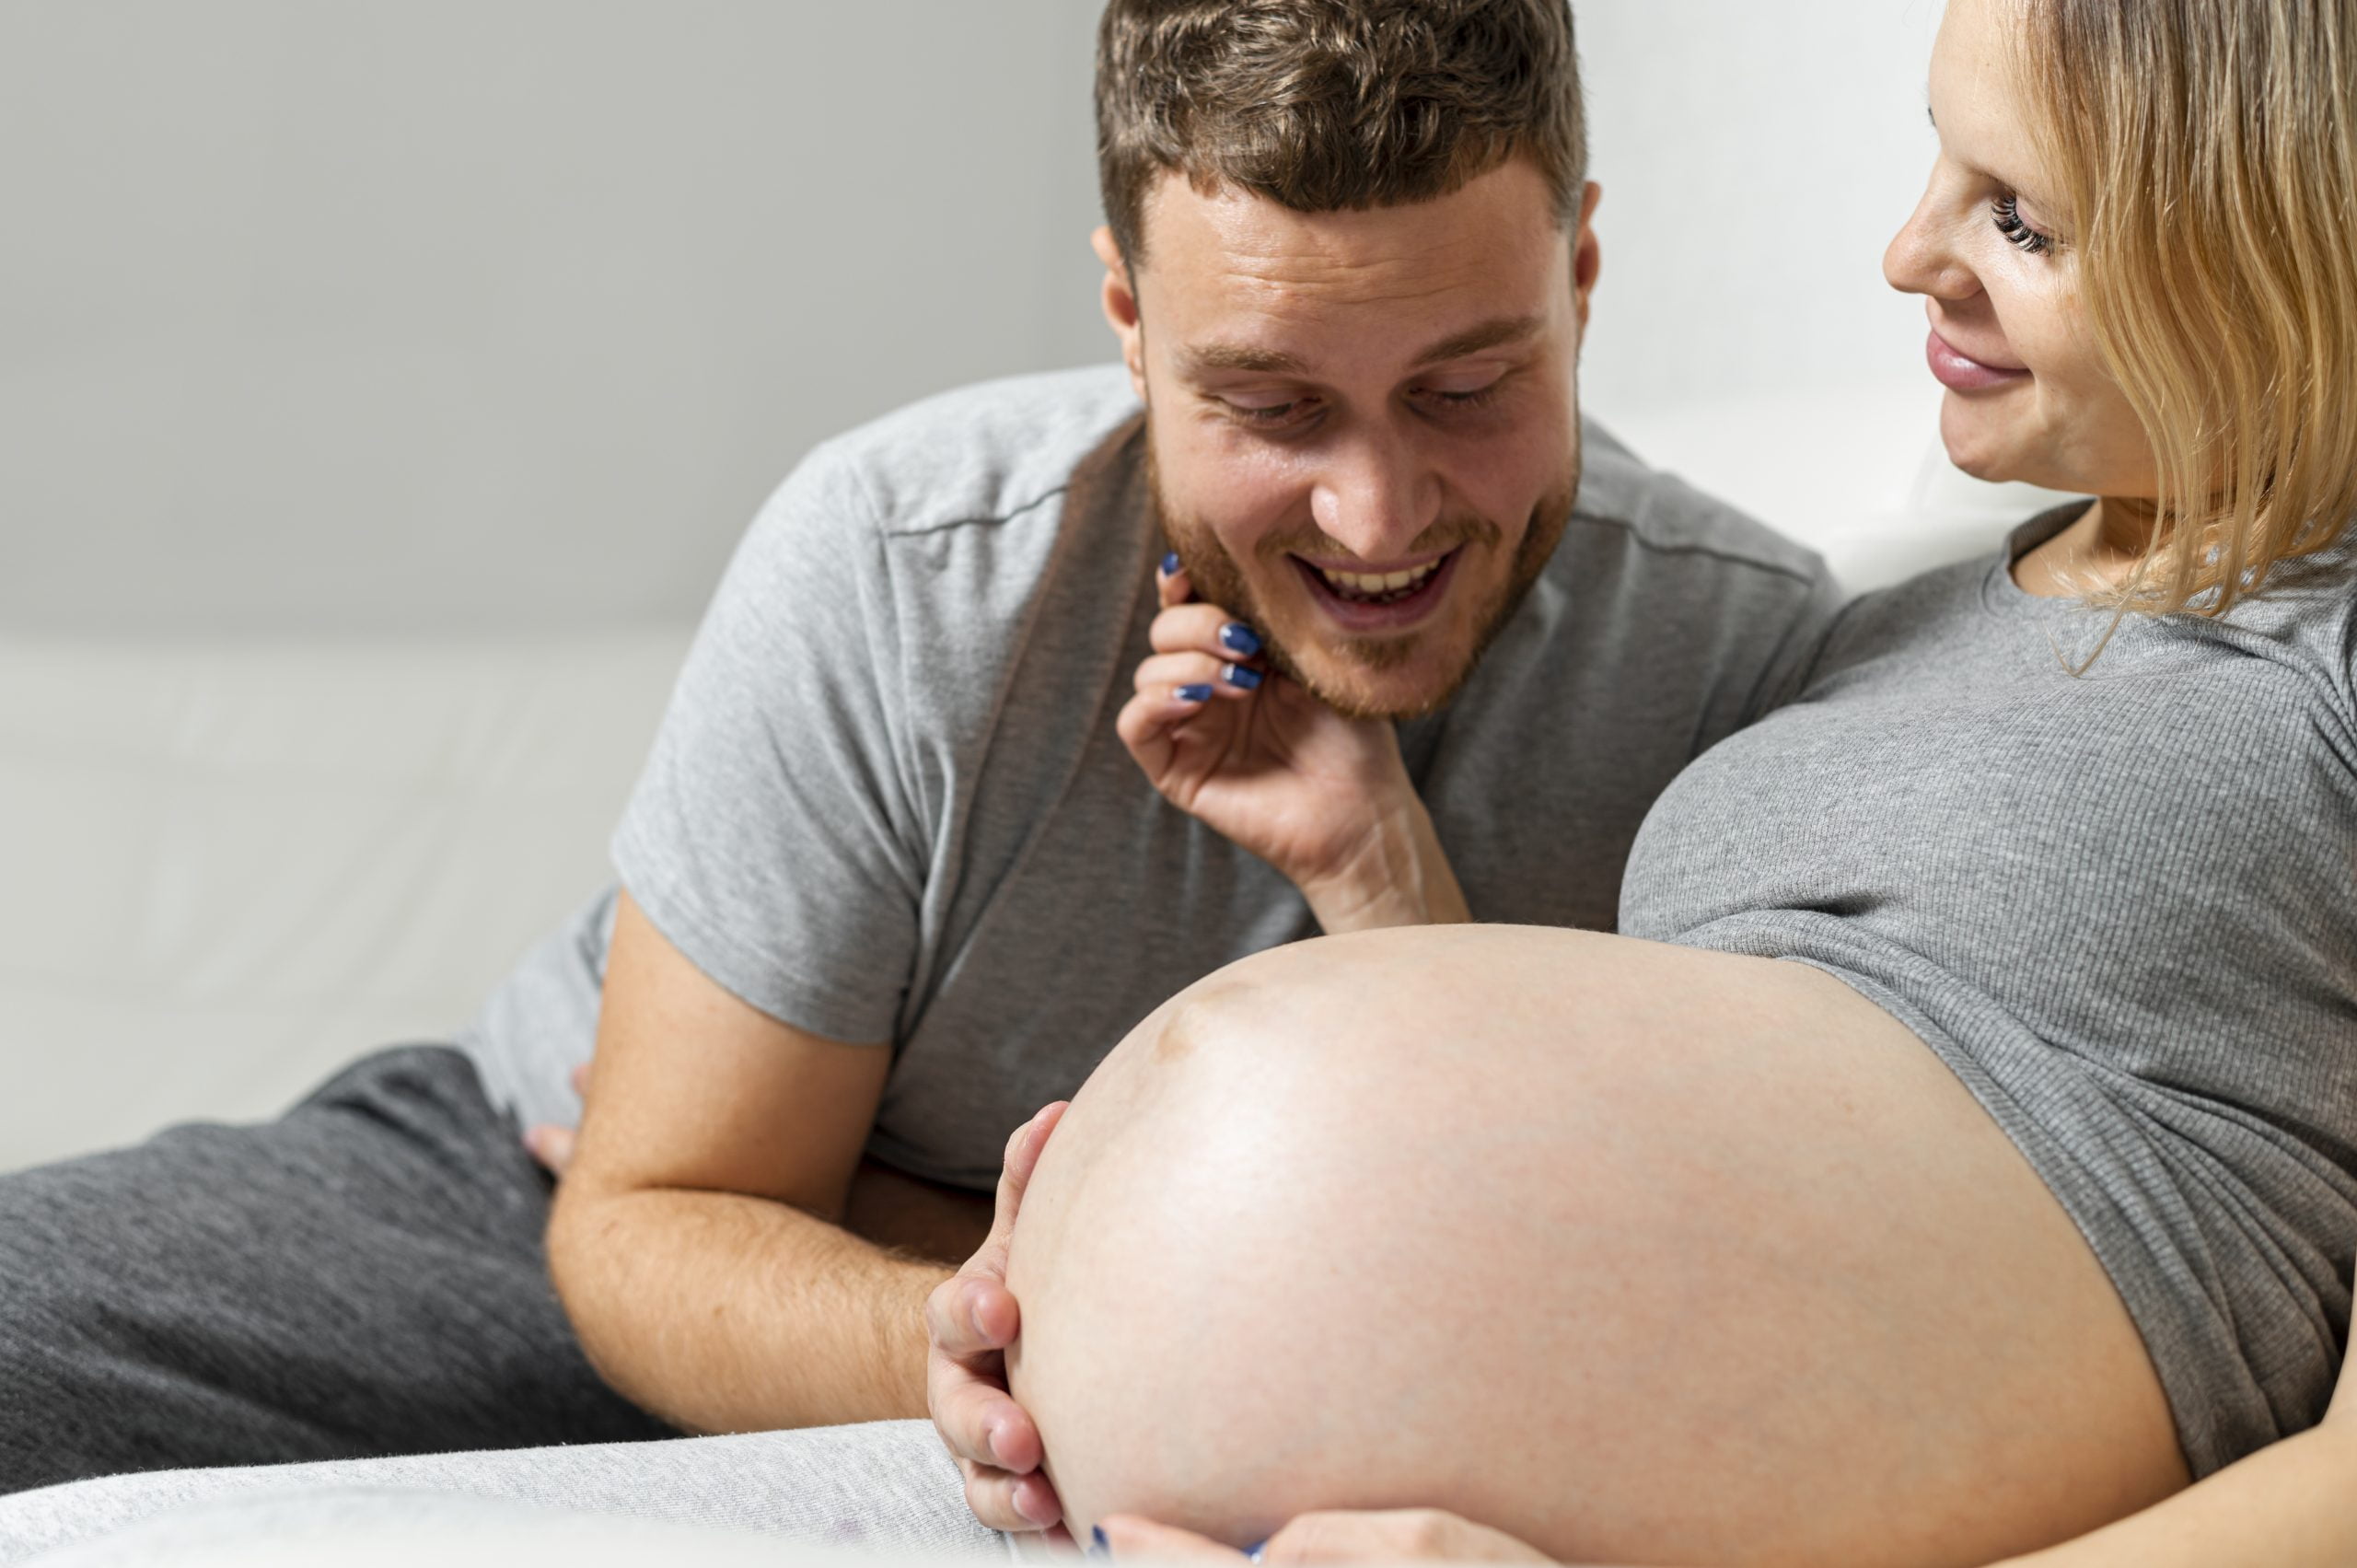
(1325, 799)
(552, 1144)
(972, 1319)
(1406, 1534)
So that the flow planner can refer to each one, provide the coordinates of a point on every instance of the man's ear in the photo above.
(1587, 255)
(1120, 302)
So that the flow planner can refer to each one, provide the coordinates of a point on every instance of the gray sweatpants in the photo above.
(361, 1277)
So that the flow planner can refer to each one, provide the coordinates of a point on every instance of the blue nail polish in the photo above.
(1197, 694)
(1170, 564)
(1242, 677)
(1252, 1554)
(1239, 638)
(1099, 1547)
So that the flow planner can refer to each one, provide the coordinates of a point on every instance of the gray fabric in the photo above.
(2120, 906)
(887, 1485)
(363, 1276)
(888, 804)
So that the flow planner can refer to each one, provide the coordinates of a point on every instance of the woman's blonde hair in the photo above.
(2208, 159)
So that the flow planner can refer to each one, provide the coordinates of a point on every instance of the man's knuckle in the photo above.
(1305, 1539)
(973, 1406)
(1428, 1533)
(989, 1494)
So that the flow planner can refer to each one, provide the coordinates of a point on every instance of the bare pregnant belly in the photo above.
(1639, 1253)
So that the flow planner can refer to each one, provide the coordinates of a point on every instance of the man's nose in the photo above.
(1375, 498)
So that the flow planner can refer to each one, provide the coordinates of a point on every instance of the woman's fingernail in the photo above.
(1242, 677)
(1099, 1547)
(1239, 638)
(1196, 693)
(1170, 564)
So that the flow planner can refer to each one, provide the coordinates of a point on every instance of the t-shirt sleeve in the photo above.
(776, 835)
(1815, 609)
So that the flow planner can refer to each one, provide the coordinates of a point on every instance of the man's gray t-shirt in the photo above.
(888, 804)
(2119, 901)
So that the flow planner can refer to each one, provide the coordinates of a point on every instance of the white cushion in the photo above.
(1851, 472)
(231, 869)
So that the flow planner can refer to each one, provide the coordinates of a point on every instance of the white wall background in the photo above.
(490, 313)
(1756, 160)
(483, 315)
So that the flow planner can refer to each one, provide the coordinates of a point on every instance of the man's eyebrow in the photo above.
(1200, 358)
(1489, 334)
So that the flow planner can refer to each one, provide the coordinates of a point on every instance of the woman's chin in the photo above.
(1974, 449)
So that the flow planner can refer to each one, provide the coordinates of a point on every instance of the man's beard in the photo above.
(1217, 578)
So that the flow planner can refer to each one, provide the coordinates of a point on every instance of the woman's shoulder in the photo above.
(1927, 614)
(2303, 618)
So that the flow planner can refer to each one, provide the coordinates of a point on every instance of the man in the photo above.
(962, 778)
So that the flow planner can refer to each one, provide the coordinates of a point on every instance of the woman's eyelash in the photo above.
(2008, 212)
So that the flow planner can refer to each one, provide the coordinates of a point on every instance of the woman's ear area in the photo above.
(1120, 302)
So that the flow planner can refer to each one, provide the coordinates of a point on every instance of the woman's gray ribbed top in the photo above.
(2122, 906)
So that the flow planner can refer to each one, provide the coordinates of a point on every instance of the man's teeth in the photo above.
(1378, 585)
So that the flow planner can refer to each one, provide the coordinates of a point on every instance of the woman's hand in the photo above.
(1406, 1534)
(1325, 799)
(971, 1319)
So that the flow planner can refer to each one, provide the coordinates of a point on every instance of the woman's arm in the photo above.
(2287, 1506)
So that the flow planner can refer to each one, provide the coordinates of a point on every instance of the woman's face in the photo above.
(2028, 397)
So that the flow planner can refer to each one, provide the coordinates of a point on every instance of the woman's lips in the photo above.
(1960, 372)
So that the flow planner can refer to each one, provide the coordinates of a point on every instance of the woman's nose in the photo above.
(1922, 256)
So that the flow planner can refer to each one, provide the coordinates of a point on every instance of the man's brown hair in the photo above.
(1324, 105)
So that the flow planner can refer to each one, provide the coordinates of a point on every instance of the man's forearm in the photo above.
(724, 1313)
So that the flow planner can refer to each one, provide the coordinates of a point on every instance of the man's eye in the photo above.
(1267, 413)
(1477, 397)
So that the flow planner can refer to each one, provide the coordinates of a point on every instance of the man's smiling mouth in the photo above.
(1377, 600)
(1370, 587)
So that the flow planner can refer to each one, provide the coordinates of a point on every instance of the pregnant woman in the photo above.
(1958, 1151)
